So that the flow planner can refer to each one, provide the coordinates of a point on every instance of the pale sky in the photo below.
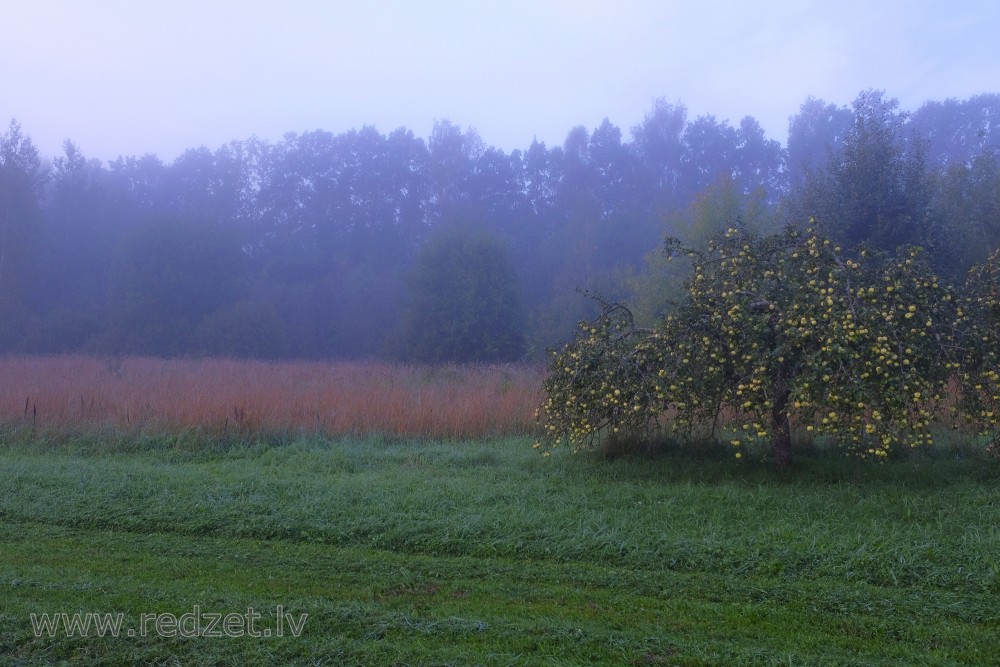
(128, 77)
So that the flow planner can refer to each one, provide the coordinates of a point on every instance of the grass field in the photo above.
(422, 552)
(222, 397)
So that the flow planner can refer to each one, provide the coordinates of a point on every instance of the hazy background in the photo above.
(434, 182)
(128, 78)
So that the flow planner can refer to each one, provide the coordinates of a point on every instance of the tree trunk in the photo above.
(782, 439)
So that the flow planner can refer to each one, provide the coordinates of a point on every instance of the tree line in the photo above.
(364, 244)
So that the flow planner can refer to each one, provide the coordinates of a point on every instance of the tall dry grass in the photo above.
(335, 398)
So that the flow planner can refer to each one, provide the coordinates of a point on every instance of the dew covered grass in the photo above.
(481, 551)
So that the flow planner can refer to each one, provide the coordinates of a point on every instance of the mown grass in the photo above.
(482, 552)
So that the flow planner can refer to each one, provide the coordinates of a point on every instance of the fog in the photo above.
(124, 78)
(440, 182)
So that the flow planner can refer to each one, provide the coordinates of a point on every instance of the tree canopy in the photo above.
(465, 304)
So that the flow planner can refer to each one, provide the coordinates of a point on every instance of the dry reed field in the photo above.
(334, 398)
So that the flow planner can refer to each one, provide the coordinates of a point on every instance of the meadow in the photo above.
(221, 396)
(411, 549)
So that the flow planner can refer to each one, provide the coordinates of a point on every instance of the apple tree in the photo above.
(772, 331)
(979, 325)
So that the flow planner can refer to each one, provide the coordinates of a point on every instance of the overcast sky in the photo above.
(131, 77)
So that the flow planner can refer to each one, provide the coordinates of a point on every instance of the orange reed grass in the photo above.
(334, 398)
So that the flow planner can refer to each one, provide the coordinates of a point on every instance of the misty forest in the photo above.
(366, 245)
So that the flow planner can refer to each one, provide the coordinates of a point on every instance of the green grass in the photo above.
(486, 553)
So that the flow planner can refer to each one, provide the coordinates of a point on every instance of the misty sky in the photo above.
(131, 77)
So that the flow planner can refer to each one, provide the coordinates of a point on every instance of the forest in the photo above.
(366, 245)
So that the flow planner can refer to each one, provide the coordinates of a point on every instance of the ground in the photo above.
(405, 551)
